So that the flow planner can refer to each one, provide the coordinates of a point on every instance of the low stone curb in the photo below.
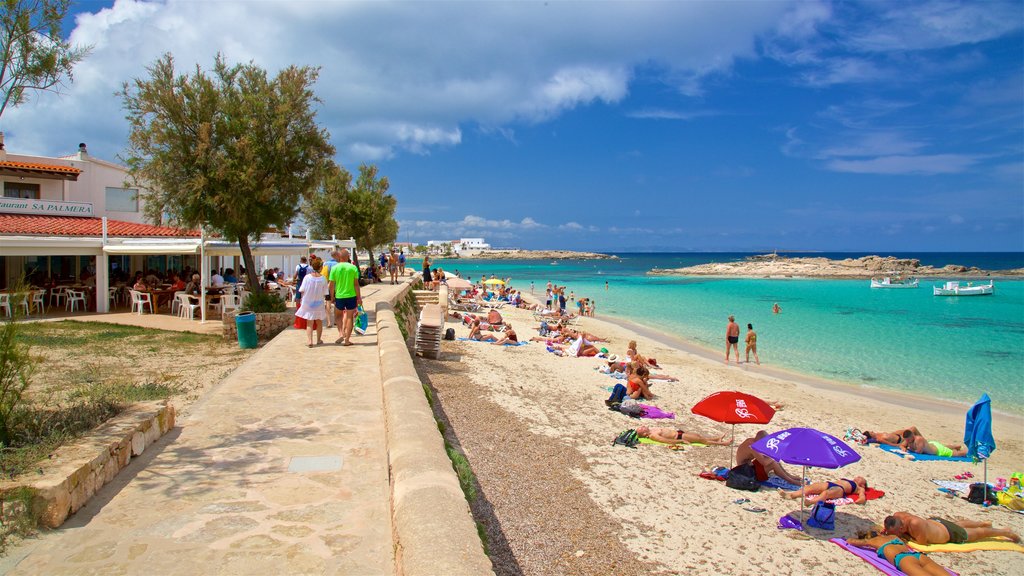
(433, 526)
(75, 472)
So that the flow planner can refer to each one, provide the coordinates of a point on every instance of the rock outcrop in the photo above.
(773, 266)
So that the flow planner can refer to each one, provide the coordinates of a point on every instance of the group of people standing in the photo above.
(732, 338)
(334, 282)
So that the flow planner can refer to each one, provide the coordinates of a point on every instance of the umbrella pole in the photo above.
(802, 485)
(732, 442)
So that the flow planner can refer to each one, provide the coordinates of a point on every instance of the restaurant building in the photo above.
(73, 220)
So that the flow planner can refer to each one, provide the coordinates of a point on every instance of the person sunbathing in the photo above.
(637, 386)
(634, 360)
(509, 337)
(896, 552)
(676, 436)
(820, 491)
(888, 438)
(746, 455)
(919, 444)
(937, 530)
(475, 333)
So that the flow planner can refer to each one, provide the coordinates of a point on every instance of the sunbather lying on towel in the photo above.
(832, 490)
(913, 442)
(634, 360)
(889, 438)
(676, 436)
(897, 553)
(940, 531)
(746, 455)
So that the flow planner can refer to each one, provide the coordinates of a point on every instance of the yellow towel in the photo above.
(986, 544)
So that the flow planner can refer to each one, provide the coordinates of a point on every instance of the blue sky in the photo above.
(862, 126)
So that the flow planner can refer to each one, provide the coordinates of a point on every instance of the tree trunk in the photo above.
(373, 262)
(252, 279)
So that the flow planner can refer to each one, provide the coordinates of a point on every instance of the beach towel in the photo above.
(776, 482)
(903, 454)
(871, 557)
(869, 494)
(953, 485)
(986, 544)
(505, 344)
(655, 412)
(652, 441)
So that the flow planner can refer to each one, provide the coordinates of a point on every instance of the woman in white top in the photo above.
(313, 289)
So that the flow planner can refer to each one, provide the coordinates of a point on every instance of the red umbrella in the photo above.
(734, 408)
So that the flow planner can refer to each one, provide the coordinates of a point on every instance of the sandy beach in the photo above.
(557, 498)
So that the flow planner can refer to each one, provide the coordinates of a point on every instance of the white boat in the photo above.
(894, 282)
(955, 288)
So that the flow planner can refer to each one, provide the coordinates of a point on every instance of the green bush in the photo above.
(262, 302)
(15, 371)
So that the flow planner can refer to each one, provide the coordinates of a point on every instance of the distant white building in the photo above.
(460, 245)
(474, 244)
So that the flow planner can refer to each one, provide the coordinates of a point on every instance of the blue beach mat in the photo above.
(776, 482)
(902, 454)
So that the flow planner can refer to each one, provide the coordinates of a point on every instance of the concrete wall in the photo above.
(434, 528)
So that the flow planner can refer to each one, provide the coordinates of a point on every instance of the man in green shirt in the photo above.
(344, 281)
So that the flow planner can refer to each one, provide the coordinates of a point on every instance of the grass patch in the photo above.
(463, 470)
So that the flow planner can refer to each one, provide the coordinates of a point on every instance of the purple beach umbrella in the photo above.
(806, 447)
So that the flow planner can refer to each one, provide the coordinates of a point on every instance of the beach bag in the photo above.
(618, 394)
(743, 477)
(300, 322)
(981, 493)
(628, 438)
(449, 334)
(823, 516)
(630, 408)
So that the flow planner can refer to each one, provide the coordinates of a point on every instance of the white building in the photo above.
(70, 218)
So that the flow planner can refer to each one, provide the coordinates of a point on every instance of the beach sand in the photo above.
(557, 498)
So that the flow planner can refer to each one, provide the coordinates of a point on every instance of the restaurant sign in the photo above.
(47, 207)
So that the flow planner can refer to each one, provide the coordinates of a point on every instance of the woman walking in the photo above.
(313, 308)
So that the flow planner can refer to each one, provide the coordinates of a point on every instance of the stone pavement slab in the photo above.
(281, 469)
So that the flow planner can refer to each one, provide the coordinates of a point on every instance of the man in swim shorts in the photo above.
(732, 337)
(916, 443)
(940, 531)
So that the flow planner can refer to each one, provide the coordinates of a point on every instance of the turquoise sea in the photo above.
(906, 340)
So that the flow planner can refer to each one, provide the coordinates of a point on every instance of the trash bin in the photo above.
(246, 325)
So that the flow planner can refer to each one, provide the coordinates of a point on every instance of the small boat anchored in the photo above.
(955, 288)
(894, 281)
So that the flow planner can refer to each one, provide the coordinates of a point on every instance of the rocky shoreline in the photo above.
(772, 266)
(535, 255)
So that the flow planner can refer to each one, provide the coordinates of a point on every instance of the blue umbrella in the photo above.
(978, 431)
(806, 447)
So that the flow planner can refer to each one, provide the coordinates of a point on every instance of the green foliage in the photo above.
(467, 480)
(363, 210)
(33, 56)
(263, 302)
(16, 367)
(232, 150)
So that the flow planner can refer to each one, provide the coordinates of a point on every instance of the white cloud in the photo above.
(930, 25)
(922, 165)
(575, 226)
(403, 76)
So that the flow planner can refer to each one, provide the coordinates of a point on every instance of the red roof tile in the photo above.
(35, 225)
(40, 167)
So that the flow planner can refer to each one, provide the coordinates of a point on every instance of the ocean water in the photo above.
(907, 340)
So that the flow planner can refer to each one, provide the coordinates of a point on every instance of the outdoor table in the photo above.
(161, 297)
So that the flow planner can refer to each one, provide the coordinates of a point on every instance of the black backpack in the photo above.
(743, 477)
(449, 334)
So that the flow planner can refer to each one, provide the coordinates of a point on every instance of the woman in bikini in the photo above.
(675, 436)
(897, 553)
(832, 490)
(475, 333)
(509, 337)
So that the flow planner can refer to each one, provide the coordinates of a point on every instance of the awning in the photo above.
(34, 170)
(128, 249)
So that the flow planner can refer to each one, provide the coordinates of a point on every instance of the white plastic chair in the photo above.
(140, 300)
(73, 298)
(57, 293)
(175, 304)
(5, 304)
(186, 309)
(39, 301)
(229, 302)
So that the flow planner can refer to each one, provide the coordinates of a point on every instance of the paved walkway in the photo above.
(280, 469)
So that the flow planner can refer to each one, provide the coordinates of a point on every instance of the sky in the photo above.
(619, 126)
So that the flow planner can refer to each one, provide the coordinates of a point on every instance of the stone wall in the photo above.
(75, 472)
(433, 527)
(268, 324)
